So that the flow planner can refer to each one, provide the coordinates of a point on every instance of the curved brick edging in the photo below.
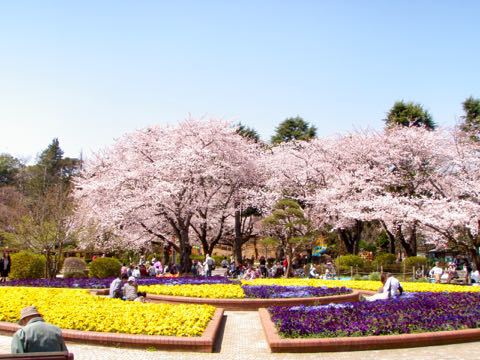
(278, 344)
(246, 304)
(204, 343)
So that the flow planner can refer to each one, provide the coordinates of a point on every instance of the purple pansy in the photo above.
(423, 312)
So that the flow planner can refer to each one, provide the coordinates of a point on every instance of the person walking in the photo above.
(208, 265)
(5, 265)
(36, 335)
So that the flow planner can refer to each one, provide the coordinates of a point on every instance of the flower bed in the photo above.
(423, 312)
(77, 309)
(275, 292)
(364, 285)
(94, 283)
(226, 291)
(217, 291)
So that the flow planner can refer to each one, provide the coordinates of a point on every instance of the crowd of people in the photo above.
(450, 273)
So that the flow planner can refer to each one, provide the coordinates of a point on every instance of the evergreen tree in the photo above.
(409, 114)
(293, 129)
(248, 132)
(471, 119)
(9, 168)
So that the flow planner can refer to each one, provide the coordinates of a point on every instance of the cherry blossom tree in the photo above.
(452, 213)
(167, 183)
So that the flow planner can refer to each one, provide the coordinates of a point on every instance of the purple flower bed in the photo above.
(94, 283)
(274, 292)
(424, 312)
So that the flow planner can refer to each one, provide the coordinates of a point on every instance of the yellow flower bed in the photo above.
(216, 291)
(364, 285)
(78, 310)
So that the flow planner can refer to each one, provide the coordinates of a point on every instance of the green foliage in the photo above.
(287, 224)
(248, 132)
(293, 129)
(471, 119)
(363, 245)
(74, 267)
(358, 277)
(374, 276)
(409, 114)
(384, 260)
(382, 241)
(105, 267)
(344, 262)
(27, 265)
(9, 168)
(218, 258)
(417, 261)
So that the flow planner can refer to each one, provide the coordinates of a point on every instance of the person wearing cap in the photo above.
(130, 290)
(36, 335)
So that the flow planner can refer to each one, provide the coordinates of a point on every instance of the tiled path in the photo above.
(242, 338)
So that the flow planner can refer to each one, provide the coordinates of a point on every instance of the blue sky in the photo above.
(88, 71)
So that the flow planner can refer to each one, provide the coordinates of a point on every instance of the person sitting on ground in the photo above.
(224, 262)
(332, 273)
(313, 274)
(36, 335)
(250, 274)
(451, 272)
(136, 273)
(436, 272)
(130, 270)
(116, 287)
(158, 267)
(152, 271)
(475, 276)
(278, 270)
(130, 291)
(391, 288)
(124, 269)
(173, 269)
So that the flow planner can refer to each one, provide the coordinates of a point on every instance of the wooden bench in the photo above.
(39, 356)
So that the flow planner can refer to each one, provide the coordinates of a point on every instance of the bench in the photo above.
(39, 356)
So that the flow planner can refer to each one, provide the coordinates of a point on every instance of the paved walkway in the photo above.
(242, 338)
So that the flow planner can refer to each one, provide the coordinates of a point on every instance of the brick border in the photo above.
(278, 344)
(253, 304)
(204, 343)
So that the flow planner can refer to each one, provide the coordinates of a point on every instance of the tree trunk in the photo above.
(166, 255)
(238, 239)
(185, 261)
(351, 237)
(288, 271)
(475, 257)
(409, 246)
(185, 252)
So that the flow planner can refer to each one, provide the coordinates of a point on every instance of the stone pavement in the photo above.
(242, 338)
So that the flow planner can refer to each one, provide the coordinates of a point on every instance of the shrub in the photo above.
(417, 261)
(218, 258)
(384, 259)
(374, 276)
(27, 265)
(74, 267)
(346, 261)
(105, 267)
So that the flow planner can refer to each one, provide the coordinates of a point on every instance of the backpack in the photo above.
(211, 263)
(400, 289)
